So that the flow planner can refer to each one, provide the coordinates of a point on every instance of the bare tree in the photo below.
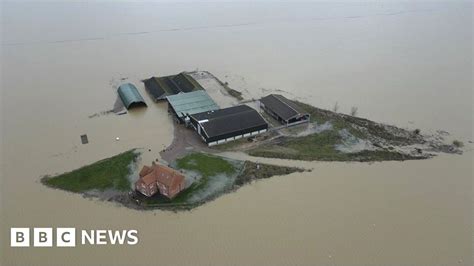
(354, 110)
(335, 108)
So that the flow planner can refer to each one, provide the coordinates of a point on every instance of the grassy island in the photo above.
(110, 173)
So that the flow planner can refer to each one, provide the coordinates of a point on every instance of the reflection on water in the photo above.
(406, 64)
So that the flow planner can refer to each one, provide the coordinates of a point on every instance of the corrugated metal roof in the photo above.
(160, 87)
(281, 106)
(130, 95)
(228, 120)
(191, 103)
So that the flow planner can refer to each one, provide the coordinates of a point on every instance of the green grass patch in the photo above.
(322, 147)
(110, 173)
(312, 147)
(248, 171)
(338, 121)
(361, 127)
(207, 165)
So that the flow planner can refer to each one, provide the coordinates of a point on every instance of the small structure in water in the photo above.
(159, 178)
(183, 105)
(228, 124)
(130, 96)
(283, 110)
(84, 139)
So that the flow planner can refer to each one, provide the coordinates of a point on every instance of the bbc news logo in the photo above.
(66, 237)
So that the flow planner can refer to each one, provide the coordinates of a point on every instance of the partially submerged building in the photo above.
(161, 87)
(283, 110)
(130, 96)
(223, 125)
(183, 105)
(160, 178)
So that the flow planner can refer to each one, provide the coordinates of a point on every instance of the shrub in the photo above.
(458, 143)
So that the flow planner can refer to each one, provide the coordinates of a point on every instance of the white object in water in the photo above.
(117, 138)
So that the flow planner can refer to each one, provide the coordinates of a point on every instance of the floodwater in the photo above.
(408, 64)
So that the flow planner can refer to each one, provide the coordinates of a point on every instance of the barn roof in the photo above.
(191, 103)
(160, 87)
(284, 108)
(154, 88)
(228, 120)
(130, 95)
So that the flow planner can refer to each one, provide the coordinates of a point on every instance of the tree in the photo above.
(354, 110)
(335, 108)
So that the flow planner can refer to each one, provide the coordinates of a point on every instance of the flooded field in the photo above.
(403, 64)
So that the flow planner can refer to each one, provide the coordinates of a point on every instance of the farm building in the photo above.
(130, 96)
(223, 125)
(184, 104)
(161, 87)
(283, 110)
(160, 178)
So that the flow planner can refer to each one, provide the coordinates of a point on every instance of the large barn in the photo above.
(283, 110)
(161, 87)
(221, 126)
(183, 105)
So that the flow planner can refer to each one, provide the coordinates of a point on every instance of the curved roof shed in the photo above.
(130, 96)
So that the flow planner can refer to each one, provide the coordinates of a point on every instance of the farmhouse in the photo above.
(161, 87)
(130, 96)
(184, 104)
(223, 125)
(160, 178)
(283, 110)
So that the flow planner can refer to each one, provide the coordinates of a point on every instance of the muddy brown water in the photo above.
(403, 64)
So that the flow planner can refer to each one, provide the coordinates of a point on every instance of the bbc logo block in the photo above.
(65, 237)
(42, 237)
(20, 237)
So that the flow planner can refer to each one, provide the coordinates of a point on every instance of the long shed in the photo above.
(228, 124)
(130, 96)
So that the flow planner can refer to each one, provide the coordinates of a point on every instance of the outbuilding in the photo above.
(228, 124)
(183, 105)
(130, 96)
(283, 110)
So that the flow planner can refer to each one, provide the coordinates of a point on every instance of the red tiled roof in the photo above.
(145, 170)
(161, 174)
